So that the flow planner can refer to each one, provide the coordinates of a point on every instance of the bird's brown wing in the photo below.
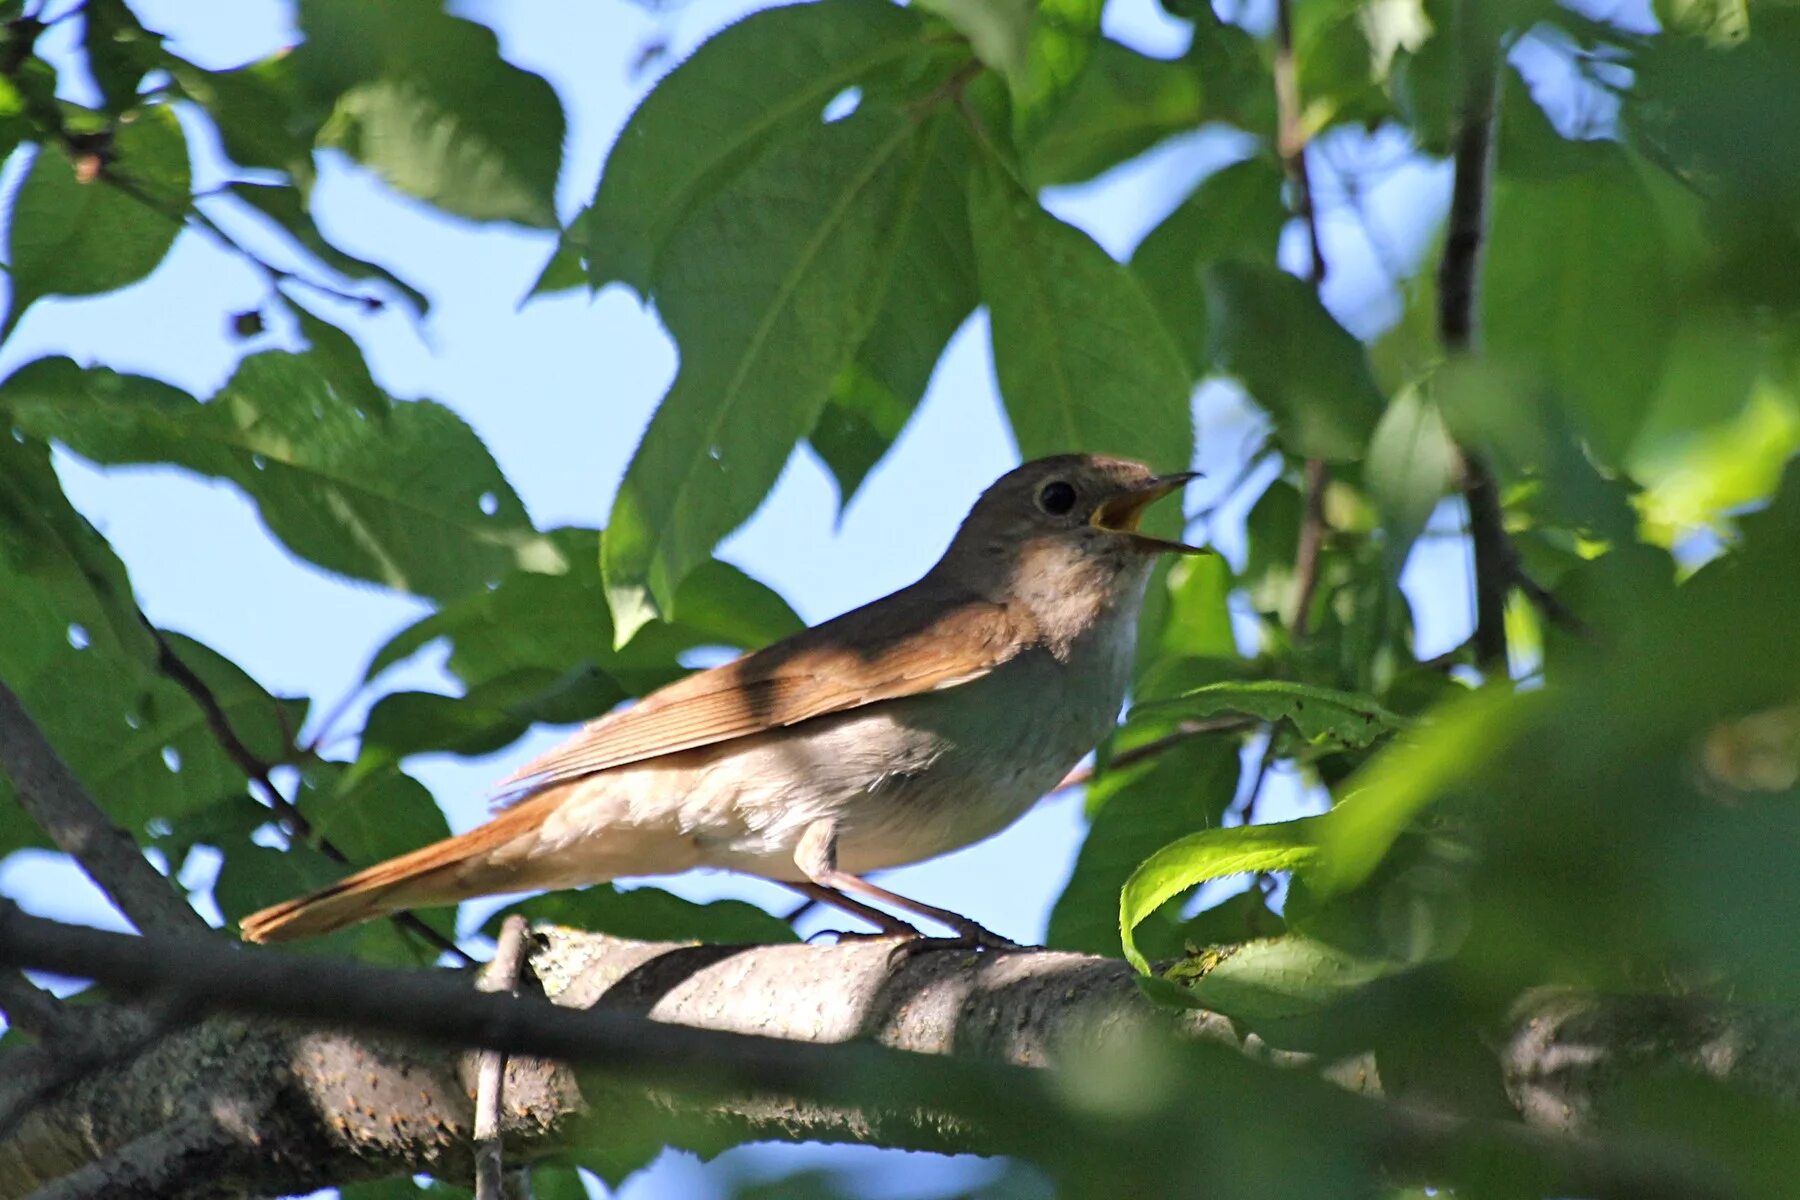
(903, 645)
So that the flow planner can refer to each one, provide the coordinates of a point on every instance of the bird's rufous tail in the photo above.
(444, 872)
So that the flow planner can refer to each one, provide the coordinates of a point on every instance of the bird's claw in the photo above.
(974, 938)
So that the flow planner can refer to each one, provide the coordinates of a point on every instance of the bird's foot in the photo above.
(970, 937)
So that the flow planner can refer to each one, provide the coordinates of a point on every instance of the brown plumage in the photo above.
(910, 726)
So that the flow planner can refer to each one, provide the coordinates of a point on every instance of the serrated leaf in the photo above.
(1236, 212)
(649, 914)
(1083, 360)
(1321, 715)
(263, 116)
(1210, 854)
(1135, 810)
(770, 74)
(929, 290)
(79, 229)
(402, 500)
(1269, 329)
(558, 624)
(1120, 105)
(1594, 242)
(766, 289)
(425, 100)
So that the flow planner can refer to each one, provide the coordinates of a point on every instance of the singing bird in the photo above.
(913, 726)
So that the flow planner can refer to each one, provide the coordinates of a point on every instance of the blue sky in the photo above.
(560, 390)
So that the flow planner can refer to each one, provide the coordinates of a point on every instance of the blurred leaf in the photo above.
(557, 1181)
(1321, 715)
(120, 52)
(1593, 241)
(1083, 360)
(1058, 43)
(286, 206)
(649, 914)
(766, 287)
(1136, 809)
(490, 715)
(83, 227)
(1412, 464)
(1235, 212)
(371, 818)
(1399, 783)
(1720, 22)
(261, 113)
(1122, 103)
(1209, 854)
(928, 291)
(1268, 328)
(412, 500)
(425, 100)
(771, 74)
(1198, 623)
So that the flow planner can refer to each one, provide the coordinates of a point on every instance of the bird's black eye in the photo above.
(1056, 498)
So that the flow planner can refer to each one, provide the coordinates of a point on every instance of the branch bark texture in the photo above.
(239, 1105)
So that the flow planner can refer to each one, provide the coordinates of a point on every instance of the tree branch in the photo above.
(501, 975)
(310, 1108)
(29, 1007)
(54, 799)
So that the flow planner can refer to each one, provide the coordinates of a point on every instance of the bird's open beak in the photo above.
(1122, 513)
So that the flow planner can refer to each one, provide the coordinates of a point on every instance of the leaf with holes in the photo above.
(1084, 361)
(767, 289)
(411, 500)
(1209, 854)
(769, 75)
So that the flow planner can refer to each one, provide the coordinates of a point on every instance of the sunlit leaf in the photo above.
(1210, 854)
(1321, 715)
(425, 100)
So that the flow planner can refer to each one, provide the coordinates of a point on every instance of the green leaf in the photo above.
(42, 537)
(1083, 360)
(82, 229)
(649, 914)
(770, 74)
(1578, 291)
(1236, 212)
(1395, 786)
(1210, 854)
(120, 51)
(370, 818)
(262, 114)
(1268, 328)
(286, 206)
(1276, 984)
(1058, 43)
(1135, 810)
(1198, 623)
(426, 101)
(1322, 716)
(403, 500)
(1412, 464)
(558, 625)
(929, 290)
(1720, 22)
(1120, 105)
(766, 287)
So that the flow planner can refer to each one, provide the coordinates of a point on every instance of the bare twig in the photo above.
(1247, 810)
(258, 772)
(58, 803)
(1137, 754)
(501, 975)
(1312, 541)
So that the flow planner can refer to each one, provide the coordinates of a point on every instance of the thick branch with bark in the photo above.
(791, 1042)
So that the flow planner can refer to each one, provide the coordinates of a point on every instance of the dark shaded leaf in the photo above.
(650, 914)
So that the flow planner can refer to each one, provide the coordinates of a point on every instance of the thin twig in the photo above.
(1137, 754)
(57, 802)
(1247, 810)
(501, 975)
(258, 772)
(1291, 142)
